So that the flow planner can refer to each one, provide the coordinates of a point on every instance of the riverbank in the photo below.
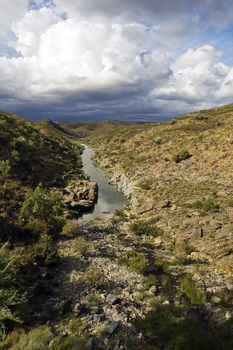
(142, 278)
(109, 199)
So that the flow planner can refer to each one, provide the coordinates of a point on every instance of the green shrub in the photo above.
(178, 329)
(69, 343)
(137, 262)
(230, 202)
(70, 228)
(158, 141)
(120, 215)
(37, 339)
(145, 185)
(182, 155)
(172, 122)
(37, 227)
(201, 117)
(149, 281)
(44, 205)
(15, 155)
(162, 266)
(207, 206)
(10, 296)
(81, 246)
(142, 227)
(5, 170)
(93, 277)
(195, 295)
(44, 251)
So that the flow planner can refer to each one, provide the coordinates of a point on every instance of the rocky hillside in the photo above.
(180, 172)
(156, 275)
(179, 175)
(39, 163)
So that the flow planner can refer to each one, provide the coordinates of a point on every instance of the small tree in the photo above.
(9, 293)
(5, 170)
(46, 206)
(182, 155)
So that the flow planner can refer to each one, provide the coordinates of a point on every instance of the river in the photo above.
(109, 198)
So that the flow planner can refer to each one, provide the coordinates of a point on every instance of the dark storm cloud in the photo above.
(115, 59)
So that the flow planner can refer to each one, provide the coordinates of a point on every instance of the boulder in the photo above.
(153, 290)
(200, 257)
(112, 299)
(111, 327)
(91, 344)
(64, 306)
(80, 194)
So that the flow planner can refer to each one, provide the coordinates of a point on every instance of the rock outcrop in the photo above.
(81, 195)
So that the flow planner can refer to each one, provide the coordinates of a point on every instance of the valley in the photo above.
(148, 270)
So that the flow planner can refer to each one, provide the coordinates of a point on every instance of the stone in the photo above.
(145, 207)
(80, 194)
(64, 306)
(112, 299)
(200, 257)
(81, 309)
(217, 226)
(153, 289)
(158, 241)
(215, 299)
(140, 287)
(164, 204)
(228, 315)
(96, 318)
(94, 309)
(111, 327)
(91, 344)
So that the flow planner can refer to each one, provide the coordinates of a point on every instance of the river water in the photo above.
(109, 198)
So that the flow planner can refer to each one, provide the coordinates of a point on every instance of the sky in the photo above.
(115, 59)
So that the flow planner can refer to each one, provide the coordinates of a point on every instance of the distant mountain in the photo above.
(51, 126)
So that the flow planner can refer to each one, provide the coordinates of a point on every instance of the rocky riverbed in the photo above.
(107, 297)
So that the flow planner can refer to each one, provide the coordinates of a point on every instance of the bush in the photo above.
(149, 281)
(5, 170)
(141, 227)
(36, 227)
(81, 246)
(44, 251)
(178, 329)
(158, 141)
(200, 117)
(137, 262)
(145, 185)
(37, 339)
(69, 343)
(182, 155)
(162, 266)
(9, 293)
(205, 206)
(195, 295)
(46, 206)
(71, 228)
(93, 277)
(15, 155)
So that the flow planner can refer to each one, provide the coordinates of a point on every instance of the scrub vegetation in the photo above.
(156, 275)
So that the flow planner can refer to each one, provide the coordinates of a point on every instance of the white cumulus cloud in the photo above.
(111, 58)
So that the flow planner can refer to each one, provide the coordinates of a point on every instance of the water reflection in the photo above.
(109, 198)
